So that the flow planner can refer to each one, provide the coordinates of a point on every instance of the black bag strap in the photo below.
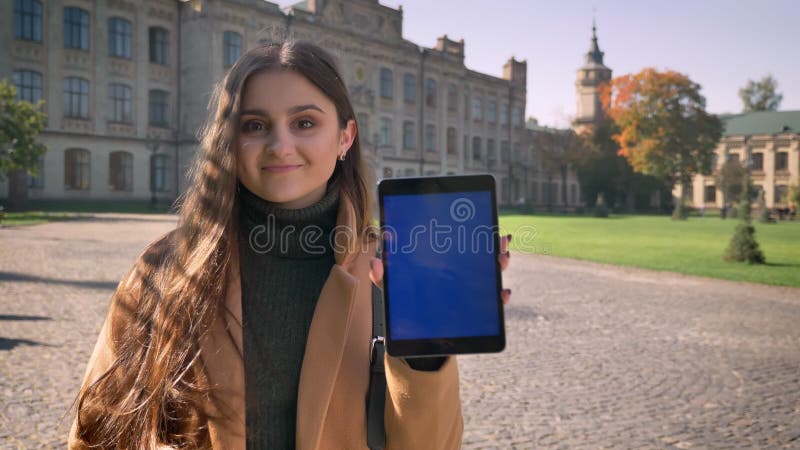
(376, 397)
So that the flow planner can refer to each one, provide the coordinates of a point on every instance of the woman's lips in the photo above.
(280, 169)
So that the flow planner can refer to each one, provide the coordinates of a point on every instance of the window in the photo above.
(781, 161)
(477, 109)
(386, 131)
(490, 152)
(119, 37)
(362, 121)
(37, 182)
(710, 194)
(466, 149)
(159, 45)
(28, 20)
(158, 173)
(504, 151)
(733, 157)
(119, 96)
(408, 135)
(491, 112)
(504, 114)
(76, 169)
(430, 92)
(76, 97)
(410, 172)
(476, 148)
(430, 138)
(516, 116)
(758, 161)
(76, 28)
(452, 97)
(517, 153)
(120, 171)
(159, 108)
(409, 88)
(573, 194)
(232, 47)
(28, 84)
(386, 83)
(451, 141)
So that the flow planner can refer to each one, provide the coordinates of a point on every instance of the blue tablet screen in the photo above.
(440, 265)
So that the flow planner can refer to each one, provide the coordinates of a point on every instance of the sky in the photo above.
(718, 44)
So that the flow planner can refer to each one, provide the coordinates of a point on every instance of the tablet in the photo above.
(441, 278)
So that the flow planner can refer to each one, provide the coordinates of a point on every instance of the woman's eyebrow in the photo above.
(292, 110)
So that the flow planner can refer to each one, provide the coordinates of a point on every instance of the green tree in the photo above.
(730, 178)
(761, 95)
(663, 127)
(743, 246)
(20, 123)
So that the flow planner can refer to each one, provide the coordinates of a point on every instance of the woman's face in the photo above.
(288, 139)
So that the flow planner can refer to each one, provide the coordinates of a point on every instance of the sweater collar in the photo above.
(292, 233)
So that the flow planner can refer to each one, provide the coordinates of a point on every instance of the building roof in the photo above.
(761, 122)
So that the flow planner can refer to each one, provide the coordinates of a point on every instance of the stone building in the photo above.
(766, 142)
(127, 83)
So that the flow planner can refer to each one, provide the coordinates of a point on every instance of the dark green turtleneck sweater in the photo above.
(285, 257)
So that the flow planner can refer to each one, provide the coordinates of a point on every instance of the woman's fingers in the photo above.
(376, 271)
(505, 294)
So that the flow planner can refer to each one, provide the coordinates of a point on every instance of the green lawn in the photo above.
(692, 247)
(42, 211)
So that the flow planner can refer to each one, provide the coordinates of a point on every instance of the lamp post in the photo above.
(152, 144)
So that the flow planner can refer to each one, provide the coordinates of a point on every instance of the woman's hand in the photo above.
(376, 267)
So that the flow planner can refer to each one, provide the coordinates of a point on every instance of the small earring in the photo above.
(341, 157)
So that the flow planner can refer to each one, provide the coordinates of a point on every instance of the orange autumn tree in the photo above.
(663, 127)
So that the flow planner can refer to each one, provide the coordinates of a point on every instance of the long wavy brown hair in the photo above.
(153, 393)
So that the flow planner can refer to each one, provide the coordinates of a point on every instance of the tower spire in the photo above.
(594, 55)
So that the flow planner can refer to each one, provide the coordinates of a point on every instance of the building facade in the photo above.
(127, 85)
(766, 142)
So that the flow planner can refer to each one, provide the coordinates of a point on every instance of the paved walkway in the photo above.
(597, 357)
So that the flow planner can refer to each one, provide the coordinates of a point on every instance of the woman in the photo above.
(236, 307)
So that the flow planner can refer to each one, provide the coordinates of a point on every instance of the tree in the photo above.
(20, 123)
(761, 95)
(729, 179)
(743, 246)
(663, 127)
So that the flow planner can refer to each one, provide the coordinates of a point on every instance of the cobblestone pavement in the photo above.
(597, 357)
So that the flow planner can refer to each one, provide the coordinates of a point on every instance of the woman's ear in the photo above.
(347, 136)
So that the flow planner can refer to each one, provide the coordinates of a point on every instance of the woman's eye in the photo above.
(253, 126)
(305, 124)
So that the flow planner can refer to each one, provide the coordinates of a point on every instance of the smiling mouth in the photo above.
(280, 169)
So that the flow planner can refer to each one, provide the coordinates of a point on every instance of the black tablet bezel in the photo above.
(442, 346)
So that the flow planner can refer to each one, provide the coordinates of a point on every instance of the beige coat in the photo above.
(423, 409)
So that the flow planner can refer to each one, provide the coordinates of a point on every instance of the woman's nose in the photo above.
(280, 142)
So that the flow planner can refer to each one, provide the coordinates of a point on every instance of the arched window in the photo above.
(76, 169)
(119, 96)
(28, 20)
(76, 28)
(159, 45)
(76, 97)
(430, 92)
(159, 108)
(119, 37)
(231, 47)
(408, 135)
(386, 83)
(120, 171)
(158, 173)
(28, 84)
